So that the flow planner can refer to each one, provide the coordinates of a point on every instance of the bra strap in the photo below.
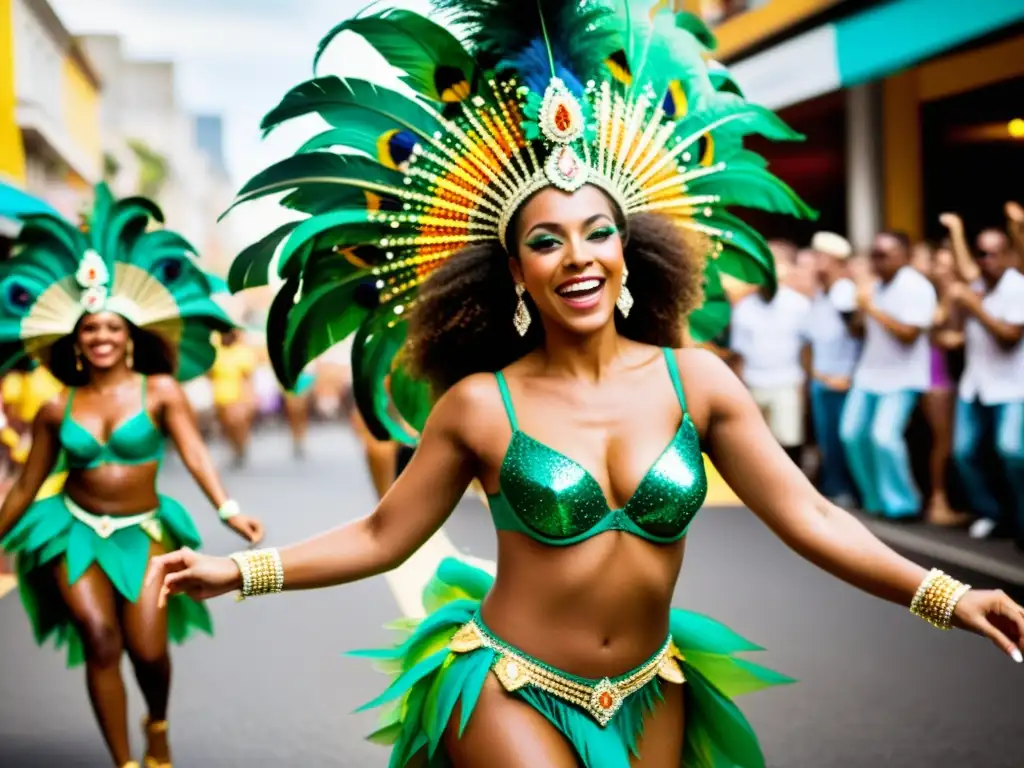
(145, 386)
(67, 406)
(673, 372)
(506, 398)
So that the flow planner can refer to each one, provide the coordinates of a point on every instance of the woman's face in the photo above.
(943, 264)
(103, 339)
(570, 257)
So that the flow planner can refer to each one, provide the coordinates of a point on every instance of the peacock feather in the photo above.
(520, 96)
(117, 262)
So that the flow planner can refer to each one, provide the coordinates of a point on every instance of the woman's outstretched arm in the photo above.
(773, 487)
(412, 510)
(180, 422)
(41, 459)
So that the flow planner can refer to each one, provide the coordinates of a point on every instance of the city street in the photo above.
(878, 688)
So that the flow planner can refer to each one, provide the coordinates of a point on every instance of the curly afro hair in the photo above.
(462, 321)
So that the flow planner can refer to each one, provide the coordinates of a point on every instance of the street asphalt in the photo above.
(877, 687)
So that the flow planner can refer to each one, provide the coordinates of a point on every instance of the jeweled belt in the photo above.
(106, 525)
(600, 699)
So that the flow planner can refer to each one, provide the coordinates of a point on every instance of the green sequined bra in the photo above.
(549, 497)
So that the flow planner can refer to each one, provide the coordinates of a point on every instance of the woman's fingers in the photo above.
(172, 561)
(997, 636)
(256, 532)
(176, 582)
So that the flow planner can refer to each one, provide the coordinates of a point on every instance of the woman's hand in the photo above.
(249, 528)
(188, 573)
(990, 613)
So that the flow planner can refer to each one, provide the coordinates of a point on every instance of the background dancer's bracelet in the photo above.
(228, 509)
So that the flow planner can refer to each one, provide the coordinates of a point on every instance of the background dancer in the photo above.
(103, 311)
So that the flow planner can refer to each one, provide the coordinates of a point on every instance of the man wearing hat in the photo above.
(834, 353)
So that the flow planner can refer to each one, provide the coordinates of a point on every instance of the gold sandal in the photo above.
(130, 764)
(151, 727)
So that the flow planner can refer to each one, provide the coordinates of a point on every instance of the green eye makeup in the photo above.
(543, 242)
(602, 233)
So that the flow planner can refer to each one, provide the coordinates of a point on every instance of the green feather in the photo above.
(712, 317)
(321, 170)
(251, 267)
(368, 109)
(277, 331)
(323, 317)
(579, 35)
(412, 398)
(745, 253)
(696, 27)
(339, 228)
(751, 186)
(434, 62)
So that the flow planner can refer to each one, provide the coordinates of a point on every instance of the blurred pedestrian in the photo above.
(991, 397)
(834, 353)
(766, 337)
(938, 403)
(233, 397)
(895, 315)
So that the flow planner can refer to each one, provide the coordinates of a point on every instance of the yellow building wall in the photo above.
(12, 153)
(80, 100)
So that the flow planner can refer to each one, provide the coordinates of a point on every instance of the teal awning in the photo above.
(15, 203)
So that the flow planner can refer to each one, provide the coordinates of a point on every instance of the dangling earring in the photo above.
(78, 359)
(521, 319)
(129, 356)
(625, 300)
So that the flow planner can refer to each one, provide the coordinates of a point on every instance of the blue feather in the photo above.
(534, 68)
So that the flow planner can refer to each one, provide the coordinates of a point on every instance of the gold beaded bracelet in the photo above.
(937, 597)
(262, 572)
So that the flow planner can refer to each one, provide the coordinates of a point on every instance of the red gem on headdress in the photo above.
(563, 118)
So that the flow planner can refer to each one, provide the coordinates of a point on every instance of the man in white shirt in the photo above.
(766, 335)
(991, 393)
(894, 369)
(834, 353)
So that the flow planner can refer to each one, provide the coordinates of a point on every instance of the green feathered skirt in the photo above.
(439, 664)
(56, 527)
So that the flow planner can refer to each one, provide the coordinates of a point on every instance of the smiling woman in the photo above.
(460, 324)
(115, 310)
(517, 283)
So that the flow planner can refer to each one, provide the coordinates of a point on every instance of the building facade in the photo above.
(49, 107)
(908, 105)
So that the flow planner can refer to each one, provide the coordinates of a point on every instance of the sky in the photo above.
(237, 58)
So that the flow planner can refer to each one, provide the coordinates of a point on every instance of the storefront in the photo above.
(887, 96)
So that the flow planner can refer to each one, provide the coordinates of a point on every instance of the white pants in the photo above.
(783, 409)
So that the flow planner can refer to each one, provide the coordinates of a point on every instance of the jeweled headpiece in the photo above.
(552, 93)
(113, 262)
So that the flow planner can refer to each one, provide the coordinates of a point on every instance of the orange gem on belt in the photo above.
(606, 700)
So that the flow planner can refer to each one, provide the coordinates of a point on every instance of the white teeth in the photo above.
(580, 287)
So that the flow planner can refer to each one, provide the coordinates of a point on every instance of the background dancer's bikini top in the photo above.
(552, 499)
(136, 440)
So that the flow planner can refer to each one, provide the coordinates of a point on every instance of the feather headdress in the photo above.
(59, 272)
(554, 92)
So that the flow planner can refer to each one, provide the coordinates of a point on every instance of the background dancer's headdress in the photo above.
(115, 262)
(547, 93)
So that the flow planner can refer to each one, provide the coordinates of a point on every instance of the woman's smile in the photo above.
(583, 292)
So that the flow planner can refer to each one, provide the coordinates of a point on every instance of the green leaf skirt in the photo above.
(434, 668)
(49, 531)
